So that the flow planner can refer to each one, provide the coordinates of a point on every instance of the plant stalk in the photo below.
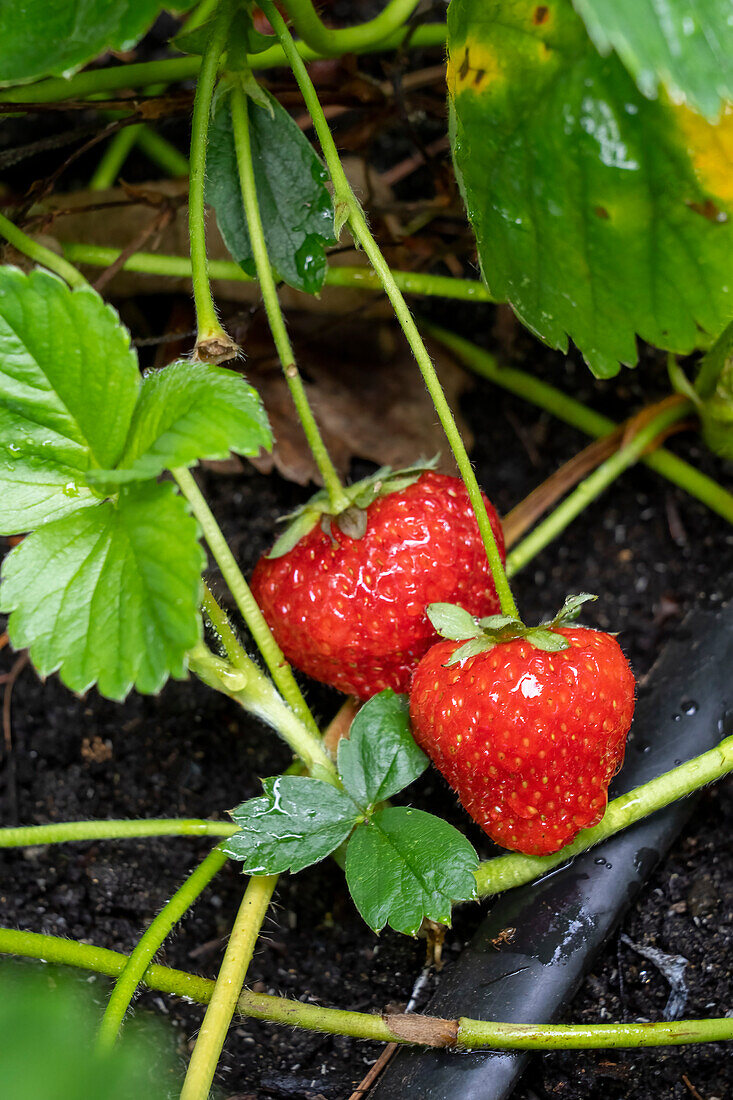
(331, 42)
(255, 693)
(352, 278)
(505, 872)
(364, 1025)
(223, 1003)
(38, 252)
(62, 832)
(592, 487)
(149, 944)
(586, 420)
(210, 332)
(272, 654)
(240, 123)
(174, 69)
(348, 209)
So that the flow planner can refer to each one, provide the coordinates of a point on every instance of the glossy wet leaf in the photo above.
(686, 48)
(186, 412)
(380, 756)
(406, 865)
(295, 206)
(68, 384)
(298, 821)
(48, 1024)
(55, 37)
(599, 214)
(109, 595)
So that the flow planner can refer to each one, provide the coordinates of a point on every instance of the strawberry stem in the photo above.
(240, 124)
(348, 209)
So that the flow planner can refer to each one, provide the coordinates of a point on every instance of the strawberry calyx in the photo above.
(481, 635)
(351, 520)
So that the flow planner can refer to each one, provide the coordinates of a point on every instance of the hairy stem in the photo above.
(351, 278)
(64, 831)
(348, 208)
(150, 942)
(240, 123)
(223, 1003)
(364, 1025)
(272, 654)
(255, 693)
(173, 69)
(592, 487)
(40, 253)
(592, 423)
(505, 872)
(209, 329)
(332, 42)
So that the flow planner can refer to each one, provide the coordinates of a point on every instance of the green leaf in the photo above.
(68, 384)
(380, 756)
(242, 39)
(48, 1024)
(55, 37)
(687, 48)
(298, 822)
(405, 865)
(187, 412)
(295, 206)
(109, 595)
(599, 214)
(452, 621)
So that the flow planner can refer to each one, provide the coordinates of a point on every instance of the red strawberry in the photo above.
(528, 737)
(350, 611)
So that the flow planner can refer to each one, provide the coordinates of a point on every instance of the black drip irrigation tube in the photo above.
(562, 921)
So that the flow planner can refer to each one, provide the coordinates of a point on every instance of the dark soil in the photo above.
(651, 553)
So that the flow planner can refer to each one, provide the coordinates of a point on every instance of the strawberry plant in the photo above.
(592, 150)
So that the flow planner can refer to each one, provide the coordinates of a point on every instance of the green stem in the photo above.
(40, 253)
(64, 831)
(115, 155)
(713, 362)
(348, 207)
(162, 152)
(255, 693)
(224, 630)
(351, 278)
(223, 1003)
(505, 872)
(209, 329)
(146, 949)
(592, 487)
(331, 42)
(364, 1025)
(173, 69)
(240, 124)
(592, 423)
(272, 654)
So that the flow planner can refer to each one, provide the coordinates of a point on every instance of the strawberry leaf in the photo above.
(110, 594)
(299, 821)
(687, 48)
(186, 412)
(452, 621)
(405, 865)
(295, 206)
(68, 385)
(380, 756)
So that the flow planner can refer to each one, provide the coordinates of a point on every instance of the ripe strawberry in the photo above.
(528, 737)
(346, 598)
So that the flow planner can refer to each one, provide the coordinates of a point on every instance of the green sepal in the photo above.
(360, 495)
(242, 39)
(481, 635)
